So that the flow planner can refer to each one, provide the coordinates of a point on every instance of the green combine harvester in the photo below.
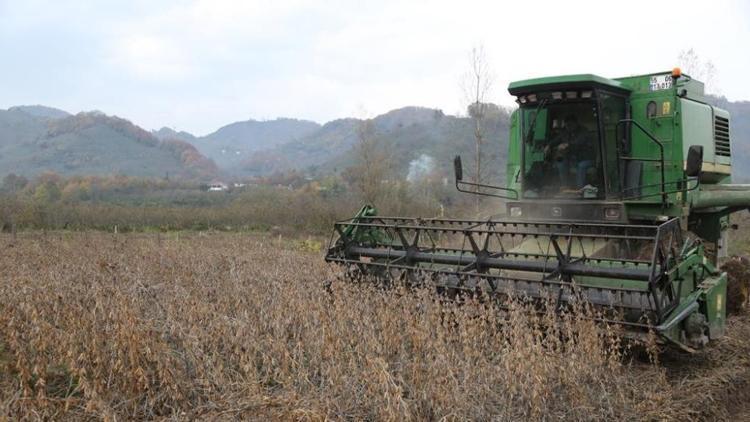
(618, 193)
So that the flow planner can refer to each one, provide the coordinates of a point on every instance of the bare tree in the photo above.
(700, 69)
(373, 164)
(476, 85)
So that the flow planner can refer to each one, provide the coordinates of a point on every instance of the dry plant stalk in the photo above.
(227, 326)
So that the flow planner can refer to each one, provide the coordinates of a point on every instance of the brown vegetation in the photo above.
(85, 120)
(289, 200)
(190, 156)
(738, 283)
(226, 326)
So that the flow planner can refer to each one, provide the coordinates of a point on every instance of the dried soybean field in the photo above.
(227, 326)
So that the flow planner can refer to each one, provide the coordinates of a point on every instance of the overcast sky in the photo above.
(198, 65)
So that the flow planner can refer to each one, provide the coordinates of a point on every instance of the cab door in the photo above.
(613, 109)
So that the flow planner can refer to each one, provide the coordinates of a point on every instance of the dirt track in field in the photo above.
(716, 380)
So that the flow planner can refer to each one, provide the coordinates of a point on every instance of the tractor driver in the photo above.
(572, 147)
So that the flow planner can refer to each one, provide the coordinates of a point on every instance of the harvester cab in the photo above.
(618, 192)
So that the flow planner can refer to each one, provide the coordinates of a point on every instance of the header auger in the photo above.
(617, 192)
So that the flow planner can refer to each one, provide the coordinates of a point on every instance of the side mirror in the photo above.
(458, 168)
(694, 164)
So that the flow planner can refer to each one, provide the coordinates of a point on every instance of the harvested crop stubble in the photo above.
(227, 326)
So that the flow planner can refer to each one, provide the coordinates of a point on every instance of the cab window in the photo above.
(561, 150)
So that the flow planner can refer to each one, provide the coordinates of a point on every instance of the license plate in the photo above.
(660, 82)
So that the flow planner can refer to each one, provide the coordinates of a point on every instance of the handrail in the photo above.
(664, 197)
(482, 185)
(686, 180)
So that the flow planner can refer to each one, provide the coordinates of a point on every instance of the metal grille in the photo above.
(721, 136)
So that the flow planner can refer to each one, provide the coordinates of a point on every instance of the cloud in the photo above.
(199, 64)
(183, 39)
(153, 57)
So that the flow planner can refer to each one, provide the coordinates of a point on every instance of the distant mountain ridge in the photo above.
(167, 133)
(257, 148)
(34, 139)
(41, 111)
(406, 134)
(233, 144)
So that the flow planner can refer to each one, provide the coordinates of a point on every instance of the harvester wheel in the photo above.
(738, 283)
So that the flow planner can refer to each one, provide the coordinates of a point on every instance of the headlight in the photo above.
(611, 213)
(516, 212)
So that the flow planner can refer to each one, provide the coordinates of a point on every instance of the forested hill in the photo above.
(36, 139)
(39, 139)
(407, 137)
(234, 143)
